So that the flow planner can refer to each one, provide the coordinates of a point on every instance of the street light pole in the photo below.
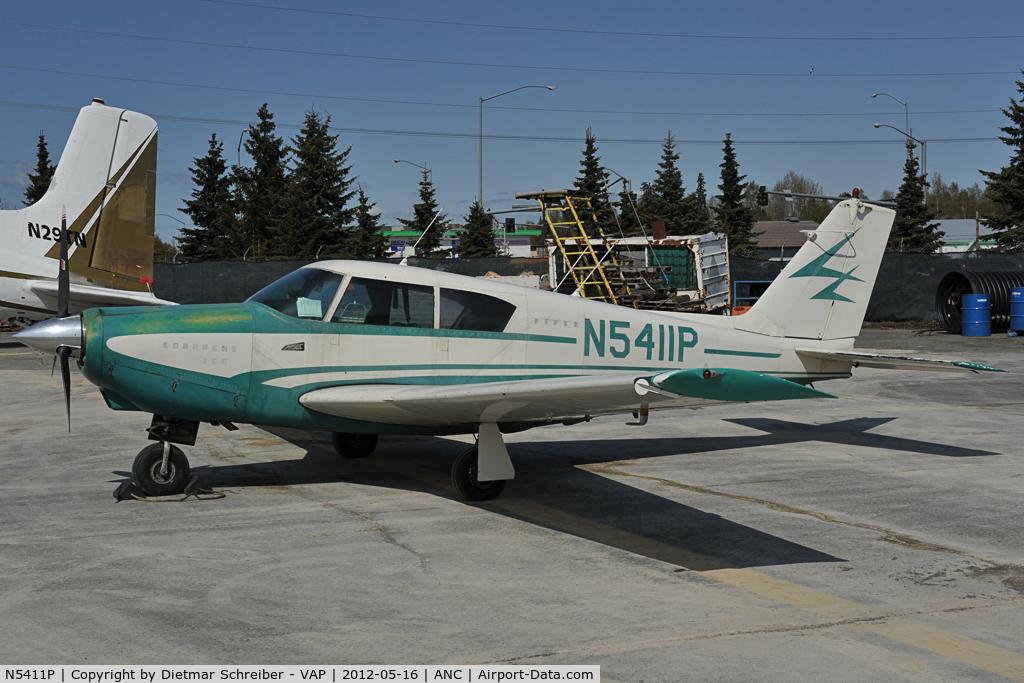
(923, 143)
(174, 239)
(906, 107)
(480, 188)
(423, 167)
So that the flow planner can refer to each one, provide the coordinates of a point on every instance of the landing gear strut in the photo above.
(160, 469)
(480, 472)
(354, 445)
(464, 478)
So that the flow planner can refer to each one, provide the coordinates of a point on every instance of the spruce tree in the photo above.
(319, 189)
(423, 214)
(697, 216)
(1006, 187)
(40, 180)
(629, 208)
(667, 200)
(211, 209)
(478, 242)
(163, 252)
(262, 189)
(733, 216)
(367, 241)
(593, 181)
(911, 231)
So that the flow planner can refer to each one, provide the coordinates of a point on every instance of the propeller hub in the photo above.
(54, 333)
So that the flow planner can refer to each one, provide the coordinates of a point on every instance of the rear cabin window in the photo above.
(306, 293)
(381, 302)
(461, 310)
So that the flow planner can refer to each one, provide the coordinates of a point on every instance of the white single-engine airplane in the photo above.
(362, 349)
(106, 182)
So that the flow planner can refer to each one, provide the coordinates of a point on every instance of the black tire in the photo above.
(354, 445)
(465, 482)
(146, 471)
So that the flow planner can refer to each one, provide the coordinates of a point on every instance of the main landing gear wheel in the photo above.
(354, 445)
(465, 481)
(149, 475)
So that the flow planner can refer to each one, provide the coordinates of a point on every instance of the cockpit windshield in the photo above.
(306, 293)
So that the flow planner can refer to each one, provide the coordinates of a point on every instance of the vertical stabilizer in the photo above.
(823, 292)
(106, 177)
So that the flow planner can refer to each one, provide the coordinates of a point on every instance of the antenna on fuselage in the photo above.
(405, 259)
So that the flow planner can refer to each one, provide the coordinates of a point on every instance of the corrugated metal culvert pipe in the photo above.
(995, 283)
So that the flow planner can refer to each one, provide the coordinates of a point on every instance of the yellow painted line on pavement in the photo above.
(952, 645)
(926, 637)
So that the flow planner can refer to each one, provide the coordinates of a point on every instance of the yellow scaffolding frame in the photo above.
(597, 277)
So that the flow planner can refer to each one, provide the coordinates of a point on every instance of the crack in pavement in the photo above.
(771, 628)
(279, 485)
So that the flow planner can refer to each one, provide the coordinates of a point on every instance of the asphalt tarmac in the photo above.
(873, 538)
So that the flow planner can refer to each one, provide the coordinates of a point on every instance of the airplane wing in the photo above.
(892, 362)
(547, 400)
(85, 296)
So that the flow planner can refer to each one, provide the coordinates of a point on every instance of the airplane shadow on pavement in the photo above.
(554, 489)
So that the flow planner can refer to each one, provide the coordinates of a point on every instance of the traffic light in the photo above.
(762, 196)
(510, 225)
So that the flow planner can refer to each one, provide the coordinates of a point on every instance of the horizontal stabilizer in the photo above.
(728, 384)
(893, 362)
(84, 296)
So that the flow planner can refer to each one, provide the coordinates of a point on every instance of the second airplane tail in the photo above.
(106, 182)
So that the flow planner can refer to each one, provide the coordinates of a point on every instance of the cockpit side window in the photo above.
(306, 293)
(462, 310)
(383, 302)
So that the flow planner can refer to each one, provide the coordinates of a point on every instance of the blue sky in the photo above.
(604, 81)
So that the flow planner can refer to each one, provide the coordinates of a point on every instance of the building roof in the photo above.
(455, 233)
(776, 234)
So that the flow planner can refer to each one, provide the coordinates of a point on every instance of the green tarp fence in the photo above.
(906, 284)
(905, 289)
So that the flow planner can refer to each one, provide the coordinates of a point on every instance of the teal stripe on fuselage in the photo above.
(748, 354)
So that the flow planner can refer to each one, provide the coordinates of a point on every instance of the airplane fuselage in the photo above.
(250, 363)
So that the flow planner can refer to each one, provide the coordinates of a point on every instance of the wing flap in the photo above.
(547, 400)
(524, 400)
(895, 362)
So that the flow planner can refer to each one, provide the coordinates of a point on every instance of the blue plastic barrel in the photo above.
(1017, 308)
(976, 310)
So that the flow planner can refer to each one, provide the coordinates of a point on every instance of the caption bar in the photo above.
(314, 674)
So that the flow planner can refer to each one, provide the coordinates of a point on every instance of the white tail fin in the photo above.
(106, 178)
(823, 292)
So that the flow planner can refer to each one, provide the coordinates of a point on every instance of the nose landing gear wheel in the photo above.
(467, 485)
(149, 475)
(354, 445)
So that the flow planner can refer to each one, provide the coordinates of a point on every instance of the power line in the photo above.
(513, 138)
(473, 106)
(549, 29)
(440, 62)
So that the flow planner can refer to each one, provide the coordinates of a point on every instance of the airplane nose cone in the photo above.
(51, 334)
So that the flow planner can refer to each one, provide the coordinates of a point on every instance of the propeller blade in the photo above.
(65, 375)
(63, 276)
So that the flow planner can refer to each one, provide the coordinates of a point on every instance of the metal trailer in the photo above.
(684, 274)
